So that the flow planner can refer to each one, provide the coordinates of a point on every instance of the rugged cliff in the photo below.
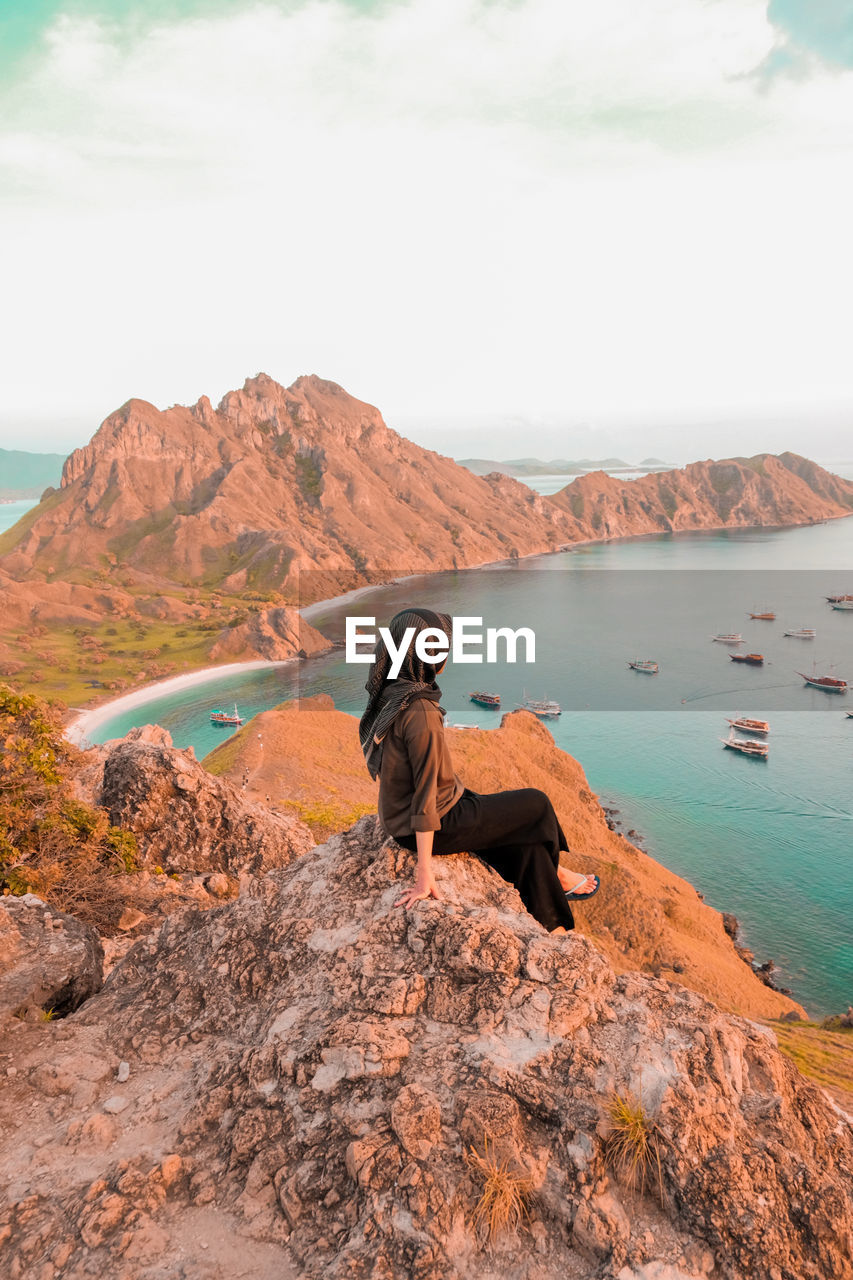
(273, 481)
(308, 1082)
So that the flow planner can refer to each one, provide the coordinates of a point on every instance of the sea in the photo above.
(768, 840)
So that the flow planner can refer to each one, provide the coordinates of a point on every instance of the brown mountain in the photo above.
(733, 493)
(280, 480)
(273, 481)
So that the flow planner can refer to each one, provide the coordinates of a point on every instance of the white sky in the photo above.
(567, 216)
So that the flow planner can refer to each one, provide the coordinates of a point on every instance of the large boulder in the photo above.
(50, 962)
(185, 819)
(329, 1077)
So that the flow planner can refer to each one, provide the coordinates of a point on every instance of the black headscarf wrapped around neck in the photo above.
(416, 679)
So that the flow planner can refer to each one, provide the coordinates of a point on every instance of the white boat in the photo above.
(542, 706)
(802, 633)
(750, 726)
(842, 604)
(732, 637)
(746, 746)
(644, 664)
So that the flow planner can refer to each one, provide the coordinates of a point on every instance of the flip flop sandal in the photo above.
(582, 897)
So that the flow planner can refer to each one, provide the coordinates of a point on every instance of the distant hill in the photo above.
(520, 467)
(27, 475)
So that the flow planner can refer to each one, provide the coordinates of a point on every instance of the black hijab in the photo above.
(416, 679)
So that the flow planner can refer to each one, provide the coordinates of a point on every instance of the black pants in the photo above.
(517, 833)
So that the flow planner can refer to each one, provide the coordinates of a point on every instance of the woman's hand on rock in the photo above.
(424, 887)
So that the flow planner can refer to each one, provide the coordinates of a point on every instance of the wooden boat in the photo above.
(542, 707)
(754, 659)
(838, 599)
(763, 617)
(802, 633)
(746, 746)
(750, 726)
(485, 699)
(829, 684)
(731, 637)
(644, 664)
(226, 717)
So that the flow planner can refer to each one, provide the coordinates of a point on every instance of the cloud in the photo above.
(537, 204)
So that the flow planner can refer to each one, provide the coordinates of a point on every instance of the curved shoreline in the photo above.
(87, 721)
(90, 719)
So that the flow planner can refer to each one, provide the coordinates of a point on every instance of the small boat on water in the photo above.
(754, 659)
(746, 746)
(749, 725)
(542, 707)
(226, 717)
(763, 617)
(802, 633)
(829, 684)
(644, 664)
(485, 700)
(730, 637)
(845, 603)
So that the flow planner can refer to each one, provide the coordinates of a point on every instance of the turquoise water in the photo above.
(11, 512)
(770, 841)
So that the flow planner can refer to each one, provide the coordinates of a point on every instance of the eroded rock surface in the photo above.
(316, 1065)
(50, 962)
(185, 819)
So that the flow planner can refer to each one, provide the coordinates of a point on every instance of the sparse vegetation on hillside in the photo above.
(51, 843)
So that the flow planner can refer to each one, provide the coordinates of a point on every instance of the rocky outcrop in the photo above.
(50, 961)
(331, 1075)
(274, 634)
(184, 819)
(645, 917)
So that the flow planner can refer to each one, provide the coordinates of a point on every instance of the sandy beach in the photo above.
(87, 722)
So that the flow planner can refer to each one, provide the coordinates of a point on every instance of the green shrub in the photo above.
(52, 843)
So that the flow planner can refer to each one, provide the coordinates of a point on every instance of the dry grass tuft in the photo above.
(504, 1201)
(634, 1144)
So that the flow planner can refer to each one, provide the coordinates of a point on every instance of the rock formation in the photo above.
(325, 1076)
(186, 820)
(50, 962)
(733, 493)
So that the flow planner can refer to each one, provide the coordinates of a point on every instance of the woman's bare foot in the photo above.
(575, 881)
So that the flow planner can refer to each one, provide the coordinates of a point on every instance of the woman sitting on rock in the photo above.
(425, 807)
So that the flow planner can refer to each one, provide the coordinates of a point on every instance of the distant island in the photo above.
(559, 466)
(27, 475)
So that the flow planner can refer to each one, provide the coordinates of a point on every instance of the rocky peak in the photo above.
(185, 819)
(318, 1067)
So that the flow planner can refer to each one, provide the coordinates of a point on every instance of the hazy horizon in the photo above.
(502, 436)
